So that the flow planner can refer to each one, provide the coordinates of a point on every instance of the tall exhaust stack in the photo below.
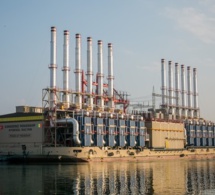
(100, 101)
(195, 94)
(53, 67)
(171, 108)
(66, 69)
(189, 93)
(163, 82)
(110, 76)
(89, 72)
(183, 92)
(177, 90)
(78, 72)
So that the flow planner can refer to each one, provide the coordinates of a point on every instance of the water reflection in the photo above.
(162, 177)
(109, 178)
(200, 177)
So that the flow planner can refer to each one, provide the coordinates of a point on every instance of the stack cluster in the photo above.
(181, 102)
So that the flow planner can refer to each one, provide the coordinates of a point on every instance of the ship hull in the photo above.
(96, 154)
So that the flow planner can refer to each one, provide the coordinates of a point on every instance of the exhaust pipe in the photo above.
(53, 67)
(78, 72)
(66, 69)
(100, 76)
(189, 93)
(171, 109)
(183, 92)
(89, 72)
(75, 128)
(110, 76)
(195, 94)
(163, 82)
(177, 90)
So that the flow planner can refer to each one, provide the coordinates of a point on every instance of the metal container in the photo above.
(86, 130)
(121, 132)
(213, 138)
(198, 137)
(111, 132)
(191, 134)
(204, 135)
(210, 135)
(99, 131)
(132, 133)
(141, 130)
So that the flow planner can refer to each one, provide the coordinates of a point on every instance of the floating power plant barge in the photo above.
(93, 122)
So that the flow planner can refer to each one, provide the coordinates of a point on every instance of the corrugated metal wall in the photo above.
(166, 134)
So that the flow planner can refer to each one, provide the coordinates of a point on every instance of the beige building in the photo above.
(167, 135)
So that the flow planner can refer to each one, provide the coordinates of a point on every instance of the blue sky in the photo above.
(142, 32)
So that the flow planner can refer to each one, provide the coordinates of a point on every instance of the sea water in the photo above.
(152, 177)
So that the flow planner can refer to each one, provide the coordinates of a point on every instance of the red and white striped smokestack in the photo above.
(78, 72)
(195, 94)
(171, 109)
(53, 67)
(110, 76)
(189, 93)
(89, 72)
(163, 81)
(100, 76)
(177, 89)
(66, 69)
(183, 92)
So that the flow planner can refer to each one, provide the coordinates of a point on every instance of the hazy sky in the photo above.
(141, 31)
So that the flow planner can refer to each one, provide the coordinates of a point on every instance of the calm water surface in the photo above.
(161, 177)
